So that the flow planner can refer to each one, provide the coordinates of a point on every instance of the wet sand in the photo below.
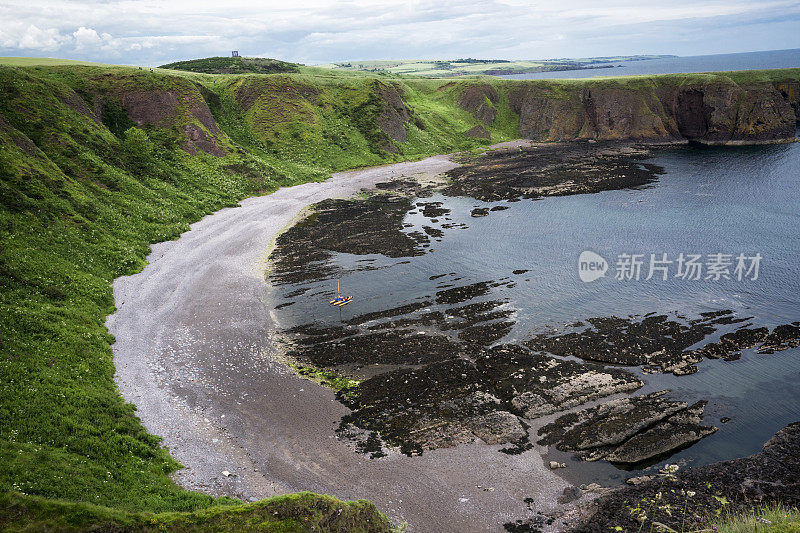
(194, 353)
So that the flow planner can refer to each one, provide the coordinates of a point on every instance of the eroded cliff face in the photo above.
(717, 112)
(177, 105)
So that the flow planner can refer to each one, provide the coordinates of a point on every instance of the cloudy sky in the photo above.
(311, 31)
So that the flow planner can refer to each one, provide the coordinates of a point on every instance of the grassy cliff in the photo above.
(99, 162)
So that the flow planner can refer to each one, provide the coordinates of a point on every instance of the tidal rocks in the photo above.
(661, 343)
(541, 171)
(729, 487)
(536, 385)
(730, 344)
(629, 430)
(370, 226)
(679, 431)
(781, 338)
(437, 405)
(478, 395)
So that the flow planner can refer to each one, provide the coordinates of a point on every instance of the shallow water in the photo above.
(675, 65)
(709, 200)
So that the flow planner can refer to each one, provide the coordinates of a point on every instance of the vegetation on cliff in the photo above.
(97, 163)
(233, 65)
(303, 511)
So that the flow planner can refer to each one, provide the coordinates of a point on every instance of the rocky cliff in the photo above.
(714, 110)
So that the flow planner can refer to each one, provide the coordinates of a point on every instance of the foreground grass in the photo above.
(766, 519)
(292, 513)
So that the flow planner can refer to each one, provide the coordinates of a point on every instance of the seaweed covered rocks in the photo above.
(551, 170)
(685, 500)
(628, 430)
(663, 342)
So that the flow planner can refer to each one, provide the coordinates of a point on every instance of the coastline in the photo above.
(193, 353)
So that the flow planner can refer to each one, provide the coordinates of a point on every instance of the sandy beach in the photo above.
(193, 352)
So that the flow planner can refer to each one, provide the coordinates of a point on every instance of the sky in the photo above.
(151, 33)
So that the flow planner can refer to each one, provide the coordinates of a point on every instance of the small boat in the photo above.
(340, 300)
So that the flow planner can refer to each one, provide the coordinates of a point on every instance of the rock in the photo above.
(628, 430)
(669, 469)
(478, 132)
(479, 99)
(480, 212)
(498, 427)
(781, 338)
(555, 465)
(729, 487)
(638, 480)
(593, 487)
(716, 111)
(678, 432)
(570, 494)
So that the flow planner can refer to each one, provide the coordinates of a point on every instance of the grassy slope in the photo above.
(76, 213)
(292, 513)
(233, 65)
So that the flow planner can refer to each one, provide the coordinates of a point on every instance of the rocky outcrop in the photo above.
(790, 90)
(480, 100)
(478, 132)
(628, 430)
(180, 106)
(684, 501)
(394, 113)
(657, 110)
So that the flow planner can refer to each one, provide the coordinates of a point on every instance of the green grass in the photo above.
(283, 514)
(44, 61)
(233, 65)
(767, 519)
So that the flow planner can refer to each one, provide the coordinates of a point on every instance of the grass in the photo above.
(767, 519)
(299, 512)
(233, 65)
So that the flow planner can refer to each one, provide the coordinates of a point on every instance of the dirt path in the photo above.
(193, 352)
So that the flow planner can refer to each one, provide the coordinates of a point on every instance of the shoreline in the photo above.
(193, 353)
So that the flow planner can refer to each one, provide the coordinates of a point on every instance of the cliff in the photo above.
(711, 109)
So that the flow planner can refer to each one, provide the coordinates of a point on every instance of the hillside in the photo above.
(97, 163)
(233, 65)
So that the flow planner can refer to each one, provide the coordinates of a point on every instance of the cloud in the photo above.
(34, 38)
(154, 32)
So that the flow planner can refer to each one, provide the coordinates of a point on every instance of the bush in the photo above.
(138, 151)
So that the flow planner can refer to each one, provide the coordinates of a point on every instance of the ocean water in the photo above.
(710, 200)
(674, 65)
